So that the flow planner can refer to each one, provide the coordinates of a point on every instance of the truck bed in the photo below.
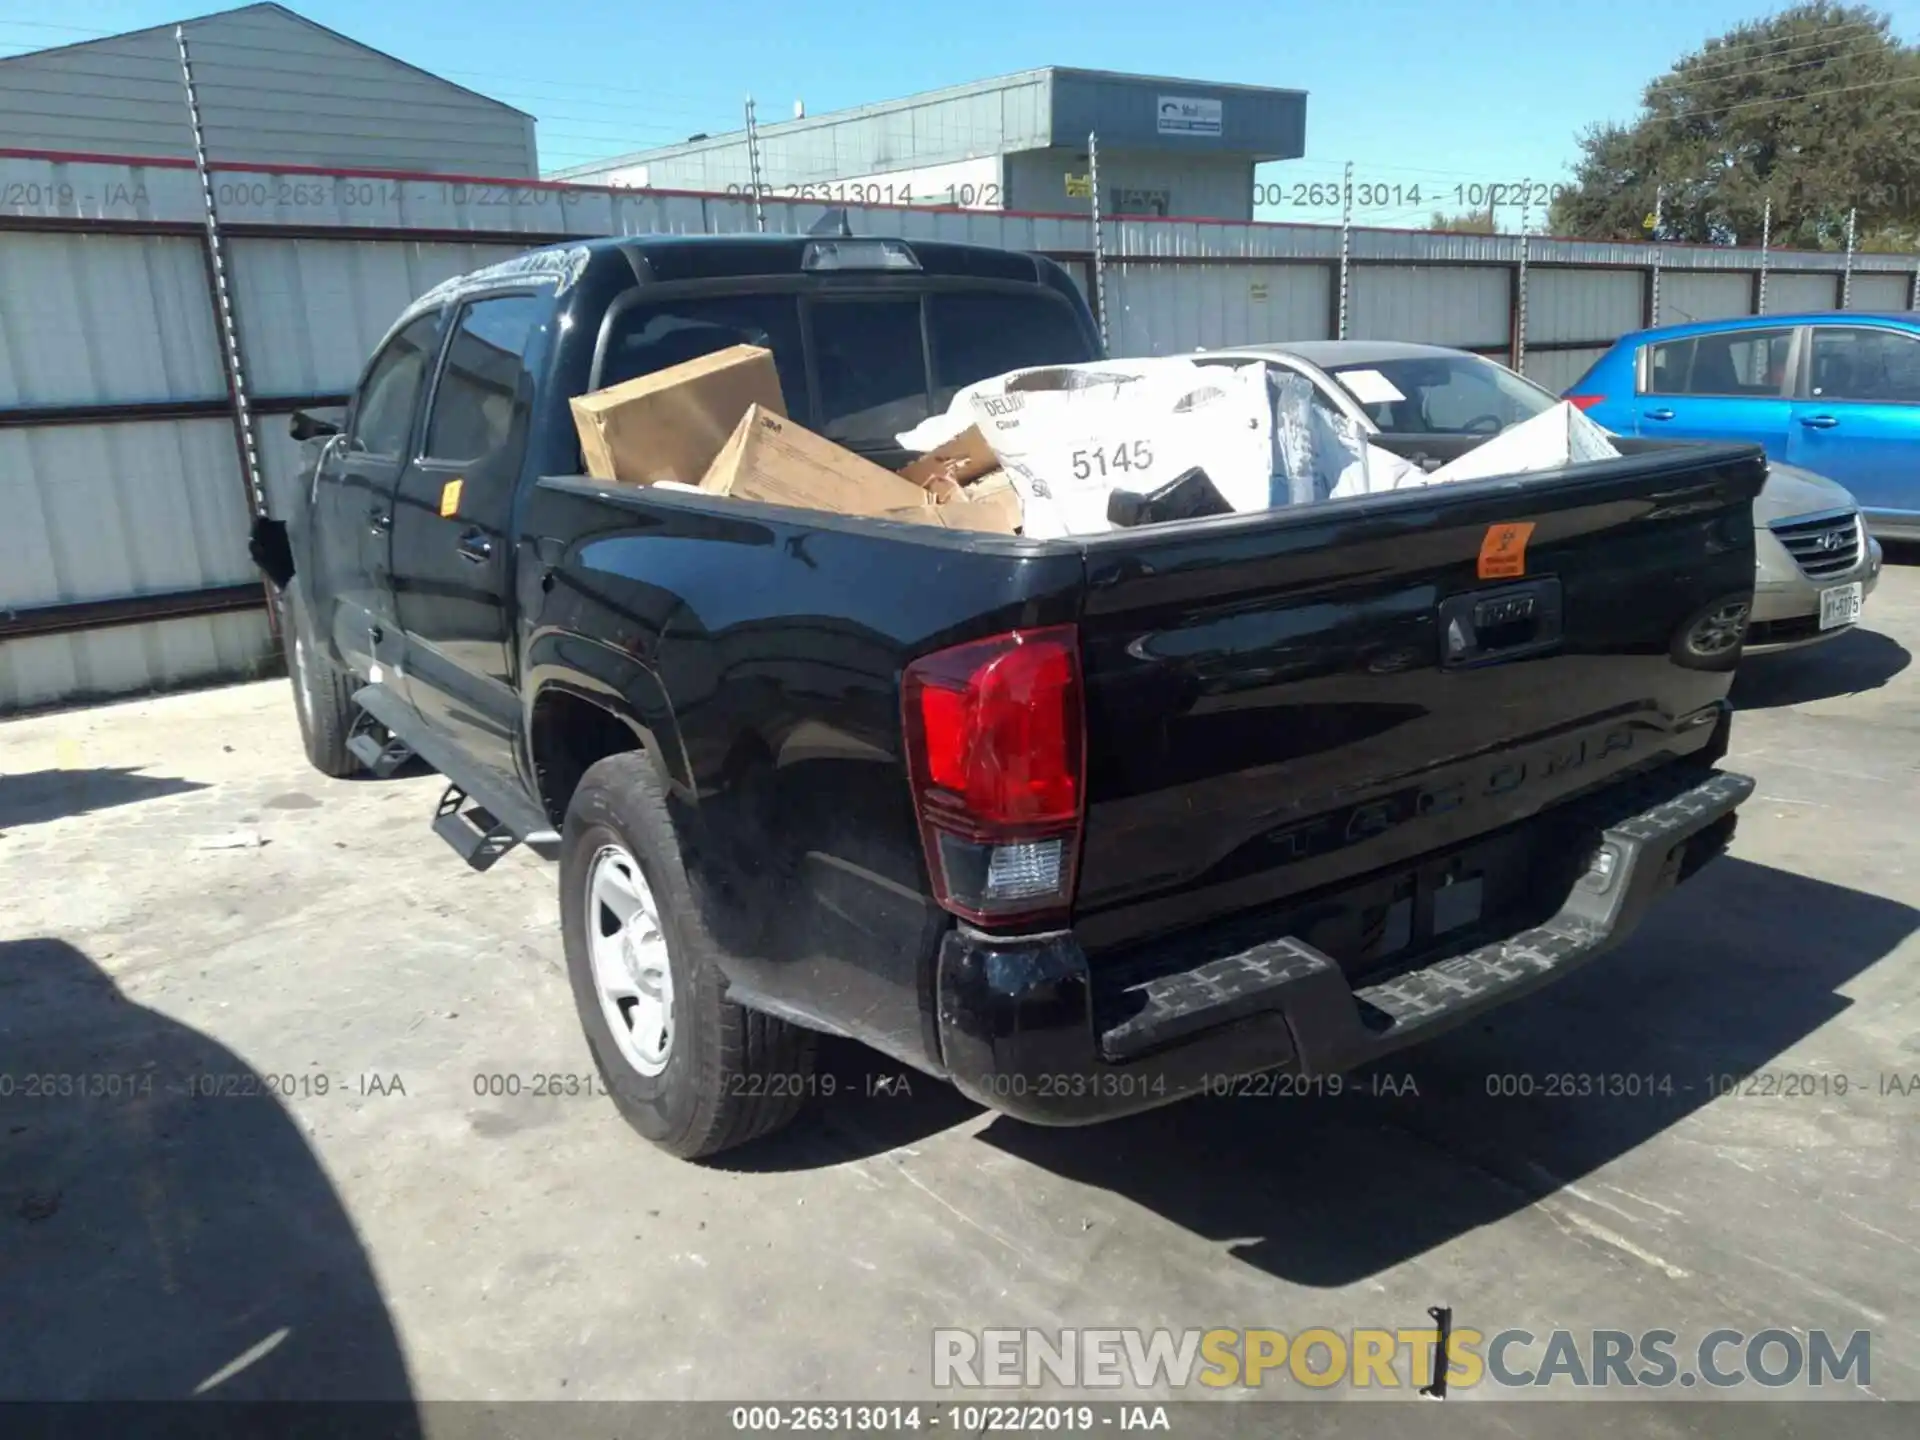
(1273, 713)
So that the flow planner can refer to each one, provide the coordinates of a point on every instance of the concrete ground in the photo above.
(186, 907)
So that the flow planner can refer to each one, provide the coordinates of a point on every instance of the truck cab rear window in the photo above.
(647, 338)
(872, 368)
(979, 335)
(870, 353)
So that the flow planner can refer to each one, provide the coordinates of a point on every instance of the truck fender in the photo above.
(622, 688)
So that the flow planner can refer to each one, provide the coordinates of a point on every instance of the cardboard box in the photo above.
(671, 424)
(965, 458)
(968, 488)
(775, 460)
(992, 505)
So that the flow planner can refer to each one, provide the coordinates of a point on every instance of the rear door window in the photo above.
(481, 403)
(1667, 367)
(1732, 362)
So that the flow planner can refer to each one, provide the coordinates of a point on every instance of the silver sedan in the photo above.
(1815, 562)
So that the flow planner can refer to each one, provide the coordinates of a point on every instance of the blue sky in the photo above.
(1441, 94)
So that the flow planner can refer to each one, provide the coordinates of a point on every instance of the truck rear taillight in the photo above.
(995, 734)
(1584, 402)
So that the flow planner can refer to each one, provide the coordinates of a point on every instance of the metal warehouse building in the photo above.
(1166, 147)
(273, 88)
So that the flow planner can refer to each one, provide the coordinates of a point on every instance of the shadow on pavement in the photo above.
(38, 796)
(864, 1104)
(1858, 661)
(1326, 1190)
(165, 1231)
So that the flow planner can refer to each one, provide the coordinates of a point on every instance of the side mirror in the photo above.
(312, 424)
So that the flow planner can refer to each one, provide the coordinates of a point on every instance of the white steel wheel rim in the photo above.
(628, 954)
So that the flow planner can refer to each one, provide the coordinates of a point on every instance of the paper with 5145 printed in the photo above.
(1068, 436)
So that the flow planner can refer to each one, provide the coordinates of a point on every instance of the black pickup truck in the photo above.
(1082, 824)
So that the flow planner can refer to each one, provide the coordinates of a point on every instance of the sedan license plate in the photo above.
(1839, 605)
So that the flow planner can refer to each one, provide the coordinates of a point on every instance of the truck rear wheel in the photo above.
(322, 691)
(689, 1069)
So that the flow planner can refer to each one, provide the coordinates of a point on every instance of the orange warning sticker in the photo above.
(1503, 553)
(450, 505)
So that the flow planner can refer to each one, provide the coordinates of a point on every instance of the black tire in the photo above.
(731, 1074)
(322, 691)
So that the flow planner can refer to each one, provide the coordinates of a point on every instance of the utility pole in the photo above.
(753, 169)
(1346, 244)
(1099, 242)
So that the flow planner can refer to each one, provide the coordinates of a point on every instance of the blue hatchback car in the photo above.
(1834, 392)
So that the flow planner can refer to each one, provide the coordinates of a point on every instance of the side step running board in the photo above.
(382, 755)
(474, 834)
(482, 815)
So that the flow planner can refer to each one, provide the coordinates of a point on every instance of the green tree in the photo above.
(1813, 108)
(1486, 222)
(1467, 222)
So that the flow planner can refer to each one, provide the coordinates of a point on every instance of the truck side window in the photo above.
(483, 390)
(383, 414)
(985, 333)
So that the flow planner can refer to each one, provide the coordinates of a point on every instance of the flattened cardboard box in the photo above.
(991, 504)
(776, 460)
(965, 458)
(773, 459)
(670, 425)
(969, 489)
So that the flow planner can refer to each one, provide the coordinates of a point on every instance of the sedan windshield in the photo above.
(1442, 395)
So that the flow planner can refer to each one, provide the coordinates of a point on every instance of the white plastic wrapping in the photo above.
(1323, 455)
(1069, 436)
(1551, 439)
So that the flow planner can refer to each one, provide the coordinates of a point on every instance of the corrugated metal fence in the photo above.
(123, 510)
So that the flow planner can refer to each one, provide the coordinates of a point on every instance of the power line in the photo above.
(1671, 91)
(1713, 61)
(1796, 99)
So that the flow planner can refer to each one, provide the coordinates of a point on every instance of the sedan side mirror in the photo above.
(312, 424)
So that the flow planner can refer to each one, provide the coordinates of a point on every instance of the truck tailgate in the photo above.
(1280, 705)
